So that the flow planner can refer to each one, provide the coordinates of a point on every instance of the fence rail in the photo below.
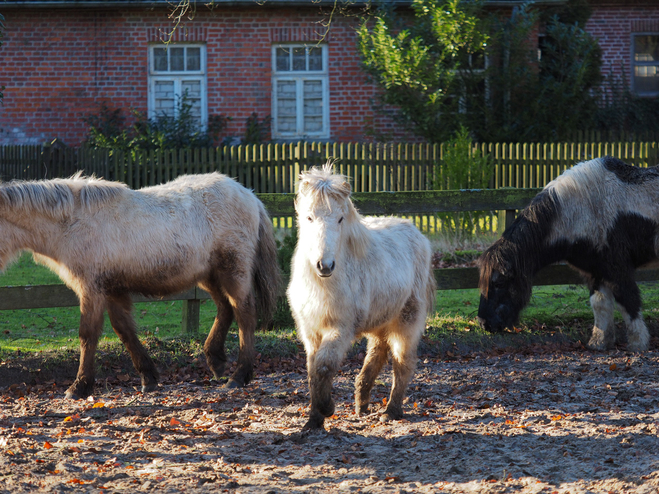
(506, 200)
(273, 168)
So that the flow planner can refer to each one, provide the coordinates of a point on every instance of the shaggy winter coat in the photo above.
(354, 277)
(602, 217)
(107, 241)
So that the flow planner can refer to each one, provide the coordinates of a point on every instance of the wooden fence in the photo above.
(382, 203)
(273, 168)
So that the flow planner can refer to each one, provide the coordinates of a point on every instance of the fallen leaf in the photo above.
(47, 445)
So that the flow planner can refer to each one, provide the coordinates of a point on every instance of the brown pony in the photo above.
(107, 241)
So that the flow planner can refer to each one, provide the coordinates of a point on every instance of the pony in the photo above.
(352, 277)
(106, 241)
(602, 218)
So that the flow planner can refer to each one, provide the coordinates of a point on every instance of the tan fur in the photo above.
(382, 287)
(105, 240)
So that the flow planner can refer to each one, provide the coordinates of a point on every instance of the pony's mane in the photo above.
(518, 252)
(323, 185)
(57, 197)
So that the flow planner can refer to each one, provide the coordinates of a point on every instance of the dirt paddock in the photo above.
(573, 421)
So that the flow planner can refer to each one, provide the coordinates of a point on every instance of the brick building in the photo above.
(628, 33)
(61, 59)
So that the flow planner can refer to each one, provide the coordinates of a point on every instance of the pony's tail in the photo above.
(431, 291)
(266, 275)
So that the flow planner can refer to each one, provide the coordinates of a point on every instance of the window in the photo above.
(646, 64)
(177, 76)
(300, 91)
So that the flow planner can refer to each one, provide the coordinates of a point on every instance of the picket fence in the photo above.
(274, 167)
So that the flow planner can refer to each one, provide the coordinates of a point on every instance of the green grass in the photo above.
(56, 329)
(554, 310)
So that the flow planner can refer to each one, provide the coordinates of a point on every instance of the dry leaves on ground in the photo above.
(573, 421)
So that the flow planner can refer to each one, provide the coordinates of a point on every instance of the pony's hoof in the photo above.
(78, 392)
(362, 410)
(232, 384)
(390, 415)
(314, 423)
(597, 344)
(147, 388)
(637, 347)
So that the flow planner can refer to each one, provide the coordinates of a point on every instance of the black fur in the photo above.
(508, 266)
(629, 174)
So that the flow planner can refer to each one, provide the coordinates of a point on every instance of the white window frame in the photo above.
(300, 77)
(178, 77)
(636, 63)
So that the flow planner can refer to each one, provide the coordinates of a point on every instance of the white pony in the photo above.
(106, 241)
(353, 277)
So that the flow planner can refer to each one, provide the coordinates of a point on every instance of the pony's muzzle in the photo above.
(324, 269)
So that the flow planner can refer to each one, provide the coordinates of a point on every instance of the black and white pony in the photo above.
(602, 217)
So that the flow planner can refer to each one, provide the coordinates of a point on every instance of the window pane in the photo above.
(165, 98)
(282, 57)
(176, 59)
(286, 107)
(299, 58)
(193, 59)
(646, 79)
(160, 59)
(646, 48)
(477, 61)
(315, 59)
(313, 106)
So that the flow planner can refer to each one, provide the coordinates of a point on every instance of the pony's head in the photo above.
(328, 222)
(504, 289)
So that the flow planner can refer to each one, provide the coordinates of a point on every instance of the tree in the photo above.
(427, 70)
(419, 66)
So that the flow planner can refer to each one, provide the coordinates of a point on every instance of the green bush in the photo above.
(462, 167)
(109, 128)
(282, 317)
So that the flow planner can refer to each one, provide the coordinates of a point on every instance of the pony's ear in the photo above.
(346, 187)
(303, 185)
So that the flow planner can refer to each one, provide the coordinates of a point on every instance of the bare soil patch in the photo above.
(533, 420)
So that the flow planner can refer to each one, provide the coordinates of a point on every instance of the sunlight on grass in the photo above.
(552, 308)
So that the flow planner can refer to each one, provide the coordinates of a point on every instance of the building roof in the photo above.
(87, 4)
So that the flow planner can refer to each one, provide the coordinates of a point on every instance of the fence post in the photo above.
(190, 322)
(506, 218)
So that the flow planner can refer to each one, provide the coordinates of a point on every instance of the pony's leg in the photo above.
(322, 367)
(245, 314)
(214, 345)
(628, 297)
(91, 326)
(403, 344)
(602, 303)
(231, 290)
(120, 312)
(376, 356)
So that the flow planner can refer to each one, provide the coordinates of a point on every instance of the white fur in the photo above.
(591, 198)
(381, 264)
(600, 197)
(105, 241)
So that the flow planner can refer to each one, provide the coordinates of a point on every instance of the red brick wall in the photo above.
(612, 25)
(60, 65)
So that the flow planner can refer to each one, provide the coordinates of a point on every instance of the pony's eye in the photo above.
(309, 219)
(340, 220)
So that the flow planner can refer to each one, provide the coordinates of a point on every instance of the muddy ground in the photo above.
(541, 419)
